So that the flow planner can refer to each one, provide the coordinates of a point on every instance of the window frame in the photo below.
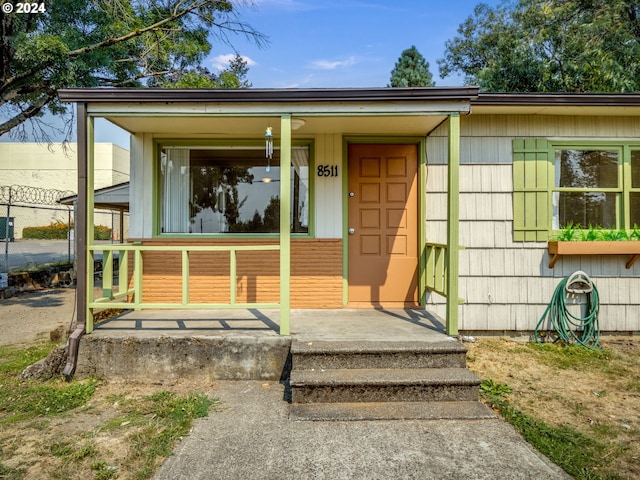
(618, 191)
(623, 203)
(161, 143)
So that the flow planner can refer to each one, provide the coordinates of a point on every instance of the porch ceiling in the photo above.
(224, 126)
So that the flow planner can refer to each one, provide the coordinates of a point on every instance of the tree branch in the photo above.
(34, 109)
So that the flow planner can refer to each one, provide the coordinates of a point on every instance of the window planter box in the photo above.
(620, 247)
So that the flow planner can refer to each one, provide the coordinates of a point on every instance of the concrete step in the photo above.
(390, 411)
(377, 354)
(383, 385)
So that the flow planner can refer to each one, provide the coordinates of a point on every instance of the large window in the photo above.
(219, 190)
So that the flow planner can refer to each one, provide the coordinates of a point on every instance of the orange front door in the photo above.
(383, 225)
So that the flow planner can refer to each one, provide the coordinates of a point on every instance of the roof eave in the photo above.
(148, 95)
(558, 99)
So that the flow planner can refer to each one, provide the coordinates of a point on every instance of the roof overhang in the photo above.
(114, 197)
(583, 104)
(389, 111)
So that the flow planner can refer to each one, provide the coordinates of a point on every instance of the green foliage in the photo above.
(579, 455)
(54, 231)
(100, 232)
(151, 425)
(8, 473)
(573, 232)
(25, 400)
(104, 471)
(548, 46)
(592, 234)
(568, 233)
(235, 76)
(59, 231)
(411, 70)
(161, 419)
(493, 390)
(574, 357)
(109, 43)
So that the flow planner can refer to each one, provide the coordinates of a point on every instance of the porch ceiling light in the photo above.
(296, 123)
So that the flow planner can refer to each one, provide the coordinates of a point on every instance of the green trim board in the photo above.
(90, 206)
(422, 221)
(285, 230)
(453, 225)
(532, 180)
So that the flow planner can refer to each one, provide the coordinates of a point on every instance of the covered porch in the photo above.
(331, 118)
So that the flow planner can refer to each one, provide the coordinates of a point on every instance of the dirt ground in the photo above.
(28, 316)
(603, 400)
(600, 400)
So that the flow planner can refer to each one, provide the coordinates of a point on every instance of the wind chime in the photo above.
(268, 136)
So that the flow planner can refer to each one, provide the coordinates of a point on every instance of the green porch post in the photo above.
(285, 227)
(453, 221)
(90, 222)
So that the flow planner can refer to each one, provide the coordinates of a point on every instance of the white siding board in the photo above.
(496, 315)
(436, 178)
(328, 190)
(136, 210)
(436, 204)
(437, 150)
(474, 317)
(464, 258)
(501, 232)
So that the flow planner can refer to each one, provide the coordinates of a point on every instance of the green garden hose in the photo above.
(571, 329)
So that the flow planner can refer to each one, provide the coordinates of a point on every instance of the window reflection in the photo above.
(232, 190)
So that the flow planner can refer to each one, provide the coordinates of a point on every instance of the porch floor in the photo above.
(337, 324)
(156, 345)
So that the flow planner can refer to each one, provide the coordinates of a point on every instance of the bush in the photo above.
(58, 231)
(100, 232)
(55, 231)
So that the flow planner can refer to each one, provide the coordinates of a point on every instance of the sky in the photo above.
(332, 43)
(343, 43)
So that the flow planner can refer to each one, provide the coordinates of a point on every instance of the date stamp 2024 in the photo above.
(24, 7)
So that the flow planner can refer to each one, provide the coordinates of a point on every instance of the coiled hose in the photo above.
(582, 330)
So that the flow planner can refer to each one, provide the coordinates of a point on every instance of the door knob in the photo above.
(352, 194)
(352, 231)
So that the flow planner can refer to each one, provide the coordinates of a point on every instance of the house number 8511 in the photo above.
(327, 170)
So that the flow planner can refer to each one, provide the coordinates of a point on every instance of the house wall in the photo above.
(316, 263)
(327, 190)
(507, 285)
(316, 273)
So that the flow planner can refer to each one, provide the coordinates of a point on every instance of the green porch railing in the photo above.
(110, 297)
(436, 268)
(436, 255)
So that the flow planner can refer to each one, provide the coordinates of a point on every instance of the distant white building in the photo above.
(38, 165)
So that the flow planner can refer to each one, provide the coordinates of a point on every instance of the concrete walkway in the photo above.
(251, 437)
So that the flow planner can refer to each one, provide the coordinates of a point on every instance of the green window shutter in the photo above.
(532, 170)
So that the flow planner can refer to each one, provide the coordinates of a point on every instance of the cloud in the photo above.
(332, 64)
(222, 61)
(288, 5)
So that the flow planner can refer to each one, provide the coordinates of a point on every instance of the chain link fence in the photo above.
(36, 230)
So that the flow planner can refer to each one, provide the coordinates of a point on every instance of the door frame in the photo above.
(422, 208)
